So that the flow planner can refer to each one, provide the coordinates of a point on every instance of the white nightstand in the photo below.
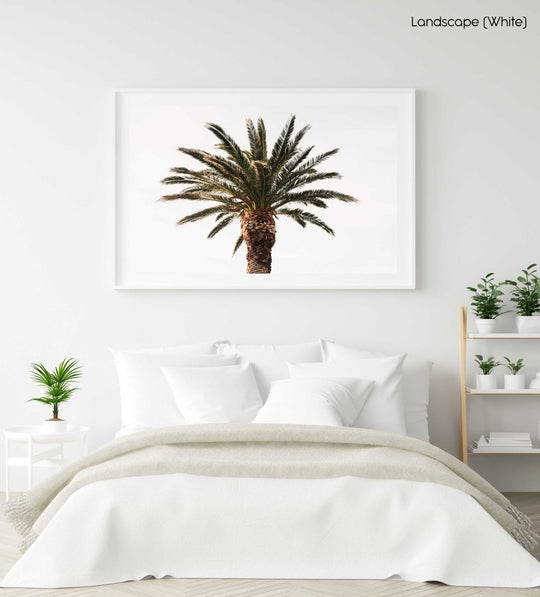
(33, 435)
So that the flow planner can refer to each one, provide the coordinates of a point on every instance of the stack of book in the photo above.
(504, 441)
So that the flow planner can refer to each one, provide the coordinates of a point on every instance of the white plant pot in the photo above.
(59, 426)
(514, 382)
(528, 324)
(535, 382)
(486, 326)
(486, 382)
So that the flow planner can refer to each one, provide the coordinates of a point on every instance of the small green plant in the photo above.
(526, 291)
(58, 384)
(487, 365)
(486, 300)
(516, 367)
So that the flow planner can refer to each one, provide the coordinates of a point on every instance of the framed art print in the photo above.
(264, 188)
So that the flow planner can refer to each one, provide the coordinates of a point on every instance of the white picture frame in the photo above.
(374, 242)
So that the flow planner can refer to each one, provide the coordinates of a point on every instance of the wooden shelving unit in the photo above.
(465, 392)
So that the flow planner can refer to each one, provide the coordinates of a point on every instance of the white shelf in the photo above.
(502, 392)
(504, 336)
(505, 451)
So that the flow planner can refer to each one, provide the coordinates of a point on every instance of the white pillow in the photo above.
(416, 381)
(316, 401)
(217, 395)
(269, 361)
(383, 409)
(146, 399)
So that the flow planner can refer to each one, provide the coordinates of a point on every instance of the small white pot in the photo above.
(51, 426)
(514, 382)
(486, 326)
(535, 383)
(486, 382)
(528, 324)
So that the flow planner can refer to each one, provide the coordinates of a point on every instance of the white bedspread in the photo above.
(196, 526)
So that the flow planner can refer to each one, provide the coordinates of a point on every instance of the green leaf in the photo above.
(238, 243)
(199, 215)
(303, 217)
(222, 224)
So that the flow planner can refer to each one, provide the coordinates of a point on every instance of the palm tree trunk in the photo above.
(259, 232)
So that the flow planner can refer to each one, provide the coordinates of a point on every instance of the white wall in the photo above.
(478, 141)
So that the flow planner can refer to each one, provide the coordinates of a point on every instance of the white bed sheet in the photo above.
(195, 526)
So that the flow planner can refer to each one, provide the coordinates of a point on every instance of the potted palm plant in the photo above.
(514, 380)
(486, 303)
(526, 296)
(58, 387)
(486, 380)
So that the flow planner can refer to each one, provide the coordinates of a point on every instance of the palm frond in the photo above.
(261, 132)
(216, 163)
(300, 180)
(199, 215)
(202, 196)
(42, 400)
(191, 196)
(310, 194)
(262, 181)
(41, 375)
(175, 180)
(294, 162)
(224, 222)
(257, 139)
(276, 157)
(228, 144)
(292, 146)
(67, 371)
(238, 244)
(318, 159)
(289, 199)
(303, 217)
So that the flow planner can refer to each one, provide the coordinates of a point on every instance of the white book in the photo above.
(483, 443)
(509, 435)
(516, 439)
(505, 450)
(523, 444)
(516, 444)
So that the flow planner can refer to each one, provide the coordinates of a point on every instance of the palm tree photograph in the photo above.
(264, 189)
(253, 188)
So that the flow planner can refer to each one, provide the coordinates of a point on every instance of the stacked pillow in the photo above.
(226, 394)
(383, 409)
(320, 383)
(146, 399)
(416, 377)
(315, 401)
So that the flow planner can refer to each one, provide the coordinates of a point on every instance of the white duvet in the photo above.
(185, 526)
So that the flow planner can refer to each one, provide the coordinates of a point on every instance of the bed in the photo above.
(303, 461)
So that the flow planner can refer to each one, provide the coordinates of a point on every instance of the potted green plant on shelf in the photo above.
(514, 380)
(486, 303)
(526, 296)
(58, 388)
(486, 380)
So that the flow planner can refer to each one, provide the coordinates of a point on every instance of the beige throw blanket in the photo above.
(277, 451)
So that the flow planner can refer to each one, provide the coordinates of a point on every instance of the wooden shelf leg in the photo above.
(463, 384)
